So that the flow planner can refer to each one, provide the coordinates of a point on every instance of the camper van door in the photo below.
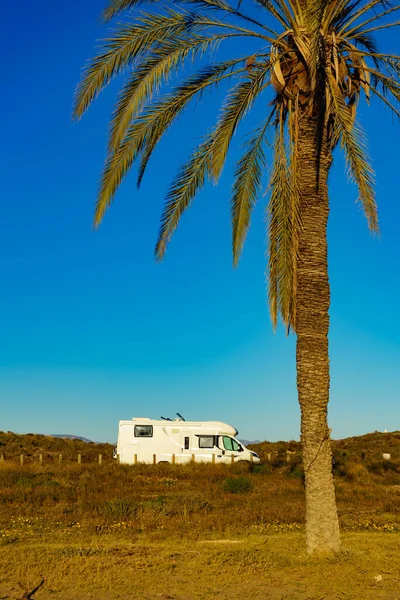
(186, 447)
(226, 447)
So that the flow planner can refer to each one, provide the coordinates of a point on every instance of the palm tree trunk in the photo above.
(312, 325)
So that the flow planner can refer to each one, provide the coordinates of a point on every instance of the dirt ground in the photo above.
(260, 567)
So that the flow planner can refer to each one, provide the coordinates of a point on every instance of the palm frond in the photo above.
(149, 127)
(320, 57)
(225, 6)
(377, 55)
(238, 102)
(247, 183)
(120, 50)
(295, 208)
(317, 55)
(189, 181)
(338, 13)
(280, 16)
(360, 12)
(193, 87)
(298, 11)
(365, 41)
(213, 4)
(377, 58)
(389, 84)
(281, 255)
(352, 139)
(378, 27)
(286, 8)
(116, 7)
(395, 111)
(208, 158)
(361, 28)
(393, 64)
(149, 75)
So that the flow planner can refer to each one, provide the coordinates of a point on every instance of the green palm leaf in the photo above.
(147, 130)
(238, 103)
(247, 183)
(116, 7)
(361, 10)
(362, 26)
(156, 69)
(315, 15)
(323, 58)
(119, 51)
(281, 251)
(207, 159)
(187, 184)
(150, 75)
(353, 143)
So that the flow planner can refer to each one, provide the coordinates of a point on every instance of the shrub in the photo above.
(297, 472)
(121, 509)
(237, 485)
(391, 465)
(262, 469)
(279, 460)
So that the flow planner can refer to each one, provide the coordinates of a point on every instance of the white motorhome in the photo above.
(149, 441)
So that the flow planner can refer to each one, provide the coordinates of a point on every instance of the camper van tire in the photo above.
(146, 441)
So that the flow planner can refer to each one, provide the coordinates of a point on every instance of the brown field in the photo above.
(194, 531)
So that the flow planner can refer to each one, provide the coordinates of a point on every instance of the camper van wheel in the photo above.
(163, 462)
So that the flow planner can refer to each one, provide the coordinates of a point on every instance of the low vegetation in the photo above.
(257, 567)
(31, 445)
(65, 521)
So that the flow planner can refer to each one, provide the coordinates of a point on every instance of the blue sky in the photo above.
(93, 330)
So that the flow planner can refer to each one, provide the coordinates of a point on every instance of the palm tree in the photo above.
(310, 61)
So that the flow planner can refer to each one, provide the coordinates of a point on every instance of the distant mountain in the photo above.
(248, 442)
(67, 436)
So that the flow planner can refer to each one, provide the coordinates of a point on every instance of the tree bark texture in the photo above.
(312, 325)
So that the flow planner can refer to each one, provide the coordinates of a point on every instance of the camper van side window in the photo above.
(186, 443)
(206, 441)
(143, 430)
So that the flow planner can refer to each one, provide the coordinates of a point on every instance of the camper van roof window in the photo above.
(143, 431)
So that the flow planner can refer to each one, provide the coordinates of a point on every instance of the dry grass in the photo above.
(272, 566)
(191, 500)
(116, 531)
(366, 449)
(31, 445)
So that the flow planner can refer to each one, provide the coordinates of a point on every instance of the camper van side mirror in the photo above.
(240, 449)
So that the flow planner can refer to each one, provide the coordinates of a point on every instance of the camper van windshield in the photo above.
(230, 444)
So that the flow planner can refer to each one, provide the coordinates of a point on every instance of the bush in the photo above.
(121, 509)
(237, 485)
(279, 460)
(381, 467)
(262, 469)
(297, 472)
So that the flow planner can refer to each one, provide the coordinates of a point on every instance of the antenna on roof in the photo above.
(165, 418)
(180, 416)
